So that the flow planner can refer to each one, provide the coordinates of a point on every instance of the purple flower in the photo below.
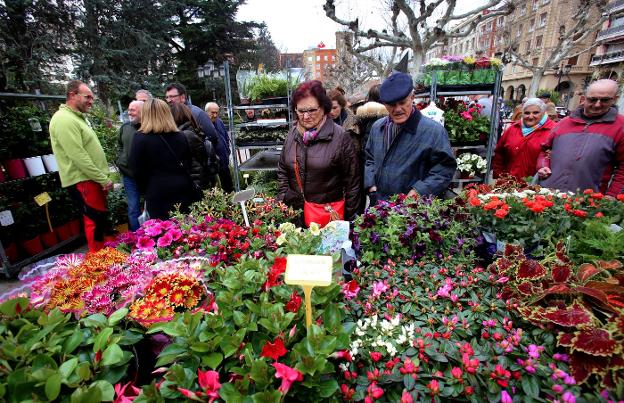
(374, 237)
(505, 398)
(568, 398)
(153, 230)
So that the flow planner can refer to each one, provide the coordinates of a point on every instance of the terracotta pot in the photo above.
(11, 252)
(15, 168)
(63, 232)
(74, 227)
(32, 246)
(49, 239)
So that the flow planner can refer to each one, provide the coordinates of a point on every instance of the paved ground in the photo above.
(7, 285)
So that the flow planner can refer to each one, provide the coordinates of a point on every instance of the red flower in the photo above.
(98, 356)
(474, 201)
(469, 390)
(501, 213)
(599, 214)
(278, 268)
(344, 354)
(434, 387)
(274, 350)
(457, 372)
(125, 395)
(406, 397)
(408, 367)
(375, 356)
(294, 303)
(350, 289)
(501, 376)
(579, 213)
(347, 392)
(374, 391)
(209, 381)
(288, 375)
(620, 197)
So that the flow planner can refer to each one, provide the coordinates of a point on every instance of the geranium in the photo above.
(274, 350)
(288, 375)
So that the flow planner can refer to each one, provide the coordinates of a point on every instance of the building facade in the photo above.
(316, 62)
(294, 60)
(610, 43)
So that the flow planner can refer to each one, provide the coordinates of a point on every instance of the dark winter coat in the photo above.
(124, 143)
(158, 174)
(367, 115)
(203, 170)
(329, 169)
(419, 158)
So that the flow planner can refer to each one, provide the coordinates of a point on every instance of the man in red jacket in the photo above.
(586, 149)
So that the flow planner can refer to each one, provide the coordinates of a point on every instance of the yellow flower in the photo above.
(469, 60)
(495, 62)
(315, 229)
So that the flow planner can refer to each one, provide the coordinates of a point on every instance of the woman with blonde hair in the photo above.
(161, 161)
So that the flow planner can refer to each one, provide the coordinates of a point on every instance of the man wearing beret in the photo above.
(405, 152)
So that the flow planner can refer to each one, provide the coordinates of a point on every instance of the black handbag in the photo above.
(196, 189)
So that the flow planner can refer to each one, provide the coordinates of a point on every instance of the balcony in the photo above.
(616, 7)
(610, 33)
(607, 58)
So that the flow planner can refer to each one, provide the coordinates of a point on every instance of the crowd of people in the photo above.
(334, 160)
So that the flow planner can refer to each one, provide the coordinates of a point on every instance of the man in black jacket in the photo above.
(124, 142)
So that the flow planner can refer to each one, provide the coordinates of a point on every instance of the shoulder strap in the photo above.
(297, 172)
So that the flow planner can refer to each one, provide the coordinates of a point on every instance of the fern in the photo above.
(596, 241)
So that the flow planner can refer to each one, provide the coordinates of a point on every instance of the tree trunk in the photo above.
(537, 77)
(417, 61)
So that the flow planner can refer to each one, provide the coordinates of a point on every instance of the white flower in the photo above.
(315, 229)
(280, 239)
(286, 227)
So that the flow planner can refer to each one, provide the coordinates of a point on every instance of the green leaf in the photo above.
(409, 382)
(95, 320)
(212, 360)
(267, 397)
(112, 355)
(73, 341)
(91, 395)
(68, 367)
(240, 318)
(260, 373)
(117, 316)
(53, 386)
(328, 388)
(107, 390)
(229, 393)
(174, 329)
(531, 386)
(43, 361)
(8, 308)
(101, 340)
(84, 371)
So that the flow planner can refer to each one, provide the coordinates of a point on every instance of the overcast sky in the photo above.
(296, 25)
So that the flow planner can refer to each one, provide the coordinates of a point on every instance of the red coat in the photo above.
(516, 154)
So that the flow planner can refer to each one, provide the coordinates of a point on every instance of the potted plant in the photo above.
(29, 219)
(118, 210)
(469, 165)
(464, 125)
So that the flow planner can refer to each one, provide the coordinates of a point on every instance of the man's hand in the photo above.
(107, 186)
(544, 172)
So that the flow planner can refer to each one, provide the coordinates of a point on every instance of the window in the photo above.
(325, 57)
(573, 60)
(310, 58)
(528, 46)
(538, 41)
(531, 24)
(535, 61)
(543, 19)
(318, 58)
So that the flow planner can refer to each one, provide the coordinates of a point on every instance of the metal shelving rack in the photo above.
(484, 89)
(268, 158)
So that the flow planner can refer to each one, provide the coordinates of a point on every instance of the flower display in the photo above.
(471, 164)
(464, 123)
(461, 70)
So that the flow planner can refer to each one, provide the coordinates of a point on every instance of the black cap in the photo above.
(544, 95)
(395, 88)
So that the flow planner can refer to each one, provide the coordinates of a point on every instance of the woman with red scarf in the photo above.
(518, 148)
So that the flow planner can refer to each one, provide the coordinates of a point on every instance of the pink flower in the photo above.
(288, 375)
(505, 398)
(209, 381)
(568, 398)
(375, 356)
(457, 372)
(167, 225)
(406, 397)
(126, 396)
(164, 240)
(502, 280)
(434, 387)
(175, 233)
(557, 388)
(145, 243)
(379, 288)
(466, 115)
(350, 289)
(153, 230)
(454, 298)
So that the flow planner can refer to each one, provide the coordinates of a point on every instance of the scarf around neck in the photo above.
(311, 134)
(528, 130)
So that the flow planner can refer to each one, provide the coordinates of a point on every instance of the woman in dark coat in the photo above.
(206, 176)
(325, 155)
(161, 161)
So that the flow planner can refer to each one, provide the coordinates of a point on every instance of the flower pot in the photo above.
(11, 252)
(32, 246)
(50, 162)
(15, 169)
(63, 232)
(74, 227)
(465, 175)
(34, 165)
(122, 228)
(48, 239)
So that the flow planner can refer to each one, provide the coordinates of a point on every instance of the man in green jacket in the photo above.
(81, 161)
(124, 143)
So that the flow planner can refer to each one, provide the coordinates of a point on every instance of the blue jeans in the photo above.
(134, 202)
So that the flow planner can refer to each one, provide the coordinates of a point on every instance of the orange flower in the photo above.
(501, 213)
(620, 197)
(474, 201)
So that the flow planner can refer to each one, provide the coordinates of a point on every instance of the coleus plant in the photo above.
(583, 303)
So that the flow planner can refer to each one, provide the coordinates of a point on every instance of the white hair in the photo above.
(209, 104)
(534, 102)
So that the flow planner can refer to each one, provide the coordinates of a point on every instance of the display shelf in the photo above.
(259, 144)
(270, 106)
(266, 160)
(26, 178)
(10, 269)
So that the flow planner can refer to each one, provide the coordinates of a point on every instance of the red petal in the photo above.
(561, 273)
(571, 317)
(503, 264)
(513, 250)
(587, 271)
(582, 365)
(594, 342)
(531, 270)
(565, 339)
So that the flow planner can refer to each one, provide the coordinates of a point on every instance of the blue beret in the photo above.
(395, 88)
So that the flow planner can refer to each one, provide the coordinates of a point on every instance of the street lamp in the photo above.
(210, 71)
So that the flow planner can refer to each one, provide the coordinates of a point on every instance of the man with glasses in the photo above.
(81, 161)
(586, 149)
(212, 109)
(405, 152)
(176, 93)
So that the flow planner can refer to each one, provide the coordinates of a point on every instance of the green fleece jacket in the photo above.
(77, 149)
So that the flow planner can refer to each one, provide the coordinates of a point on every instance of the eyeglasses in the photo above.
(172, 96)
(593, 100)
(309, 111)
(87, 97)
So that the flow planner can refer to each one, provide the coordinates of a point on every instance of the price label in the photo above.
(6, 218)
(309, 270)
(43, 199)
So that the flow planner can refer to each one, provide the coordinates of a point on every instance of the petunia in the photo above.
(146, 243)
(165, 240)
(175, 233)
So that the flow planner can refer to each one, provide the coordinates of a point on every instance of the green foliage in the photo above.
(19, 140)
(463, 123)
(596, 241)
(117, 206)
(554, 95)
(267, 86)
(105, 127)
(49, 355)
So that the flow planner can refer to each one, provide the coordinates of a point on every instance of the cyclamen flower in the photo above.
(288, 376)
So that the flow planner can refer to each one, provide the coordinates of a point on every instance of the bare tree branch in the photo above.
(488, 5)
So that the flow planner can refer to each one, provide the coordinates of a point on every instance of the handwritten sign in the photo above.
(43, 199)
(310, 270)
